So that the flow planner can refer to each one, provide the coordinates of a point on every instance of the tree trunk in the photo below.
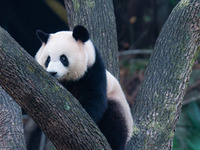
(57, 113)
(11, 126)
(98, 17)
(158, 104)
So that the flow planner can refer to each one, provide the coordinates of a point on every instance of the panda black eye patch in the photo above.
(64, 60)
(47, 61)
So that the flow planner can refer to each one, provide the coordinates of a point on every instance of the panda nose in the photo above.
(53, 73)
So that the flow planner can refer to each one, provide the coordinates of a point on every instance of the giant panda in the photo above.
(72, 58)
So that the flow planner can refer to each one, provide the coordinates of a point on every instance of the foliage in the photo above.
(187, 135)
(133, 65)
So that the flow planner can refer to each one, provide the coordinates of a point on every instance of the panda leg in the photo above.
(113, 126)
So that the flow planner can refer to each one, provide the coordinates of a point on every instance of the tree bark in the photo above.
(98, 17)
(11, 126)
(53, 108)
(158, 104)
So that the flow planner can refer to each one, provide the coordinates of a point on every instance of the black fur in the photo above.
(64, 60)
(91, 89)
(80, 33)
(42, 36)
(91, 92)
(113, 126)
(47, 61)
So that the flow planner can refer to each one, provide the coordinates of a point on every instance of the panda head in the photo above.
(66, 54)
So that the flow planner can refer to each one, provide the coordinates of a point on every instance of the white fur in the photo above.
(80, 55)
(115, 93)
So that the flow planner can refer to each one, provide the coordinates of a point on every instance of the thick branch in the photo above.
(158, 104)
(98, 16)
(53, 108)
(11, 126)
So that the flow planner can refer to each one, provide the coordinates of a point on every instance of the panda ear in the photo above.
(80, 33)
(42, 36)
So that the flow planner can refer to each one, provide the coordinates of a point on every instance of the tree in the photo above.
(158, 104)
(98, 17)
(11, 129)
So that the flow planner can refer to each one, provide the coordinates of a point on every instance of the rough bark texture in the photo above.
(56, 112)
(11, 126)
(158, 104)
(98, 17)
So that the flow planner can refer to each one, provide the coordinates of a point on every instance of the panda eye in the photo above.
(64, 60)
(47, 61)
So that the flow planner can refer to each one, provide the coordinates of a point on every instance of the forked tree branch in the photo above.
(158, 104)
